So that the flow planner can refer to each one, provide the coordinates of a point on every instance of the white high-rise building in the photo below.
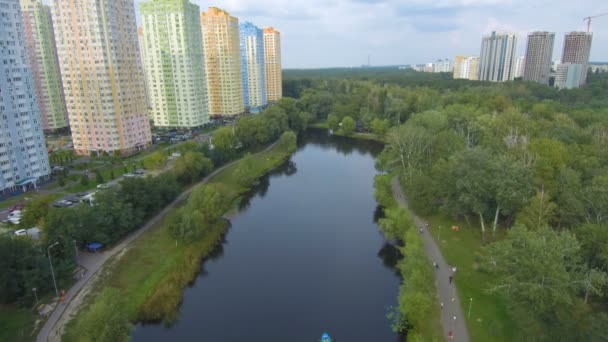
(23, 155)
(568, 75)
(102, 75)
(520, 64)
(539, 51)
(497, 58)
(253, 67)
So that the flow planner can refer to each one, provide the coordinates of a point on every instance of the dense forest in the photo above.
(526, 164)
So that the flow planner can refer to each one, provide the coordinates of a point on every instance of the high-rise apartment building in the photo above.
(443, 65)
(272, 59)
(520, 64)
(252, 67)
(497, 58)
(142, 58)
(102, 75)
(174, 64)
(577, 47)
(23, 154)
(466, 67)
(222, 62)
(538, 57)
(40, 41)
(568, 75)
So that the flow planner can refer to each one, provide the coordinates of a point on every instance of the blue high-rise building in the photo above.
(23, 155)
(252, 67)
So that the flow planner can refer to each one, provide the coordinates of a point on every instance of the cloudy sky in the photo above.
(326, 33)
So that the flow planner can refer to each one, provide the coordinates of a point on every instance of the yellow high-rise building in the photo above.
(272, 59)
(102, 75)
(221, 45)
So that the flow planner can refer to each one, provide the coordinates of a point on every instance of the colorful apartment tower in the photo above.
(252, 67)
(272, 59)
(23, 155)
(174, 63)
(222, 62)
(40, 41)
(102, 75)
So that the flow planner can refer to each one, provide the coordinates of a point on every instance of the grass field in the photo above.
(16, 324)
(489, 319)
(153, 272)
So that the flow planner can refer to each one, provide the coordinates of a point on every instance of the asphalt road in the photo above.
(452, 318)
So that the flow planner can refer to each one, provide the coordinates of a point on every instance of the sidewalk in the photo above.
(446, 291)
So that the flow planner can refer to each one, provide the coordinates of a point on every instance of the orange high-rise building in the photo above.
(272, 59)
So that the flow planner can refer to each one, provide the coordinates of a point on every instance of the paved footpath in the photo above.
(93, 262)
(447, 292)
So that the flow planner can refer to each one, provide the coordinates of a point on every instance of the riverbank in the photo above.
(150, 283)
(354, 135)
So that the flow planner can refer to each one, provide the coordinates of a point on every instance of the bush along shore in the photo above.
(146, 283)
(416, 313)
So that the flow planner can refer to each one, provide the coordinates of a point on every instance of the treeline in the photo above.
(117, 211)
(417, 292)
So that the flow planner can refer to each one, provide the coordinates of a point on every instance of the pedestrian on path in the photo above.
(453, 299)
(450, 335)
(441, 305)
(450, 280)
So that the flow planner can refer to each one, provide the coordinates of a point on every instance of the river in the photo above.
(302, 257)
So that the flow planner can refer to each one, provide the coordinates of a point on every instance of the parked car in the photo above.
(103, 186)
(128, 175)
(20, 232)
(62, 204)
(139, 172)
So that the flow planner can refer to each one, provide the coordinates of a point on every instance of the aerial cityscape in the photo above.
(166, 175)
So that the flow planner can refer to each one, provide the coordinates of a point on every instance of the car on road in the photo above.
(103, 186)
(20, 232)
(63, 204)
(139, 172)
(128, 175)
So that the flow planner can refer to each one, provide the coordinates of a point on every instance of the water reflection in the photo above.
(260, 188)
(344, 145)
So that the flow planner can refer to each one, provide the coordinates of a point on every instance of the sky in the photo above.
(344, 33)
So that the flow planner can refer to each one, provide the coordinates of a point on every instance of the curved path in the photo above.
(446, 291)
(93, 262)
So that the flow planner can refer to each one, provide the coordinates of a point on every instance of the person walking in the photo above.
(450, 335)
(450, 280)
(441, 305)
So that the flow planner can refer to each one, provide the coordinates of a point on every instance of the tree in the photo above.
(35, 212)
(348, 125)
(288, 142)
(191, 167)
(539, 212)
(109, 309)
(84, 180)
(224, 139)
(333, 122)
(155, 161)
(380, 127)
(98, 177)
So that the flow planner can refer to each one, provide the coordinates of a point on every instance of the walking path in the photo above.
(447, 292)
(93, 262)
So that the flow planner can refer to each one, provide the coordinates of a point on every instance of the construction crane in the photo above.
(591, 17)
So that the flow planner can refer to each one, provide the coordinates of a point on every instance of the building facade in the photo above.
(539, 52)
(568, 76)
(497, 58)
(272, 61)
(221, 46)
(577, 47)
(520, 64)
(466, 67)
(102, 75)
(174, 63)
(23, 154)
(252, 67)
(42, 53)
(443, 65)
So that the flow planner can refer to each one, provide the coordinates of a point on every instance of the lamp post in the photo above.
(35, 295)
(52, 271)
(470, 305)
(439, 234)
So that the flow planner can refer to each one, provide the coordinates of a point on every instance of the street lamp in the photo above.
(52, 271)
(35, 295)
(470, 304)
(439, 234)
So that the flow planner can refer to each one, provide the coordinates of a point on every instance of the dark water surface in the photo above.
(302, 257)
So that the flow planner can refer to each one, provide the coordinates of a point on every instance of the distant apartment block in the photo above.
(102, 75)
(466, 67)
(42, 52)
(272, 59)
(222, 62)
(577, 47)
(518, 70)
(252, 67)
(497, 58)
(443, 65)
(174, 63)
(23, 155)
(539, 52)
(568, 76)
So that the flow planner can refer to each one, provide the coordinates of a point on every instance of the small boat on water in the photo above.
(325, 337)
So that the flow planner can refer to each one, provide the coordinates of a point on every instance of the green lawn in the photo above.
(16, 324)
(489, 319)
